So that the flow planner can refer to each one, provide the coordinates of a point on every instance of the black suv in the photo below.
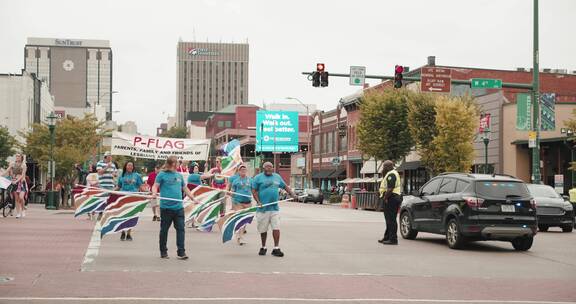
(472, 207)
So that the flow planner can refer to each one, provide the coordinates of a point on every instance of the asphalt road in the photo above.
(331, 256)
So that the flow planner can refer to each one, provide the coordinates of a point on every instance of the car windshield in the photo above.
(501, 189)
(543, 191)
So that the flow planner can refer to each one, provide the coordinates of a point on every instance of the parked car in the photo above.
(472, 207)
(551, 208)
(299, 193)
(313, 195)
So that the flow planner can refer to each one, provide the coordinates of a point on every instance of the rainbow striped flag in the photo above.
(207, 217)
(204, 197)
(231, 223)
(122, 213)
(90, 200)
(233, 158)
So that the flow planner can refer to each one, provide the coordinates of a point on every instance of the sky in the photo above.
(287, 38)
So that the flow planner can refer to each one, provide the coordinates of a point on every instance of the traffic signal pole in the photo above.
(536, 178)
(511, 85)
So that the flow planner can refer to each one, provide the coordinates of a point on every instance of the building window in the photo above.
(37, 53)
(220, 124)
(99, 55)
(316, 139)
(228, 124)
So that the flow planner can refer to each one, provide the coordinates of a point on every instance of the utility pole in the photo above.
(536, 178)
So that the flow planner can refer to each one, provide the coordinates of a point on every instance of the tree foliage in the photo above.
(7, 145)
(422, 122)
(176, 132)
(452, 149)
(383, 127)
(75, 141)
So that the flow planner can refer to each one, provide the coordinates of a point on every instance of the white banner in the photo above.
(159, 147)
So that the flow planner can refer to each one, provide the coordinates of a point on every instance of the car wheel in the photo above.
(543, 228)
(320, 202)
(522, 243)
(454, 237)
(568, 228)
(406, 229)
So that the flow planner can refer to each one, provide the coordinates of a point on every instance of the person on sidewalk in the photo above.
(241, 184)
(170, 184)
(129, 181)
(17, 171)
(265, 188)
(391, 197)
(154, 202)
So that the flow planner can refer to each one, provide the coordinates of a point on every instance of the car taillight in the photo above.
(533, 204)
(473, 202)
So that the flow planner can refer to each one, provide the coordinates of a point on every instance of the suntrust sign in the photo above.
(159, 147)
(67, 42)
(202, 52)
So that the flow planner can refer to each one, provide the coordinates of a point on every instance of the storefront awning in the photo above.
(336, 173)
(321, 173)
(371, 167)
(542, 140)
(413, 165)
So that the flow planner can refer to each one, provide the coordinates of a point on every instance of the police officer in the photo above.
(390, 194)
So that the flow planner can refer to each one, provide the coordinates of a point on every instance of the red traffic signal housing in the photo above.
(320, 67)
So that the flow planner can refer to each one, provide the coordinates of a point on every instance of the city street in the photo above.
(331, 256)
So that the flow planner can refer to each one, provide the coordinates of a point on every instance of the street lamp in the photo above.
(102, 96)
(50, 202)
(309, 152)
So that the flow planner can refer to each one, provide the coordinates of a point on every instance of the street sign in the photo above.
(523, 112)
(559, 183)
(357, 75)
(335, 161)
(532, 139)
(485, 83)
(547, 111)
(435, 79)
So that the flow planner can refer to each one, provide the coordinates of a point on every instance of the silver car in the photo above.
(551, 208)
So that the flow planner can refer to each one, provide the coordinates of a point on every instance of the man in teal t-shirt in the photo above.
(171, 184)
(265, 188)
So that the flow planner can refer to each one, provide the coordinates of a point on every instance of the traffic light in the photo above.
(320, 77)
(315, 79)
(398, 76)
(324, 79)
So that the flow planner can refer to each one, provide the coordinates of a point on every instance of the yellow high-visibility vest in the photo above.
(384, 184)
(572, 193)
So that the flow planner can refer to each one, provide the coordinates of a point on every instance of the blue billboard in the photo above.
(276, 131)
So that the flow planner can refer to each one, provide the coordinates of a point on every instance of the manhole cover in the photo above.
(6, 279)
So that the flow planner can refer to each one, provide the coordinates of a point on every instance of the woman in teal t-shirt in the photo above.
(241, 185)
(194, 179)
(129, 181)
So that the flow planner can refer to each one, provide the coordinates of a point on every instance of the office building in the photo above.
(210, 76)
(77, 72)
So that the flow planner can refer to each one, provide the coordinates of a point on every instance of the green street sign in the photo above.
(486, 83)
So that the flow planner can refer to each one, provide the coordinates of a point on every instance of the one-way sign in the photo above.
(435, 79)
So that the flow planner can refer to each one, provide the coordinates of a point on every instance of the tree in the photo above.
(422, 122)
(571, 125)
(452, 149)
(75, 141)
(7, 144)
(383, 127)
(176, 132)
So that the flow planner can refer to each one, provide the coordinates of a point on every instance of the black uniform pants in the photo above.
(390, 215)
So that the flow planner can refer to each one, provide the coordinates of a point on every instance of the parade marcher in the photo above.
(265, 190)
(195, 179)
(92, 181)
(218, 180)
(182, 168)
(170, 184)
(241, 184)
(129, 181)
(107, 172)
(17, 171)
(391, 197)
(154, 202)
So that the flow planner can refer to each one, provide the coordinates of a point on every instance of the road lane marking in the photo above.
(93, 248)
(381, 300)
